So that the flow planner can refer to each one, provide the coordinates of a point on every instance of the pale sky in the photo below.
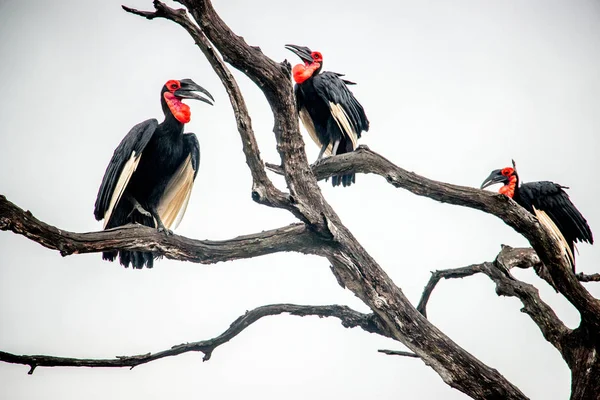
(452, 90)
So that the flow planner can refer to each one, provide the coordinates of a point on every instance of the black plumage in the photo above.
(549, 202)
(554, 201)
(328, 109)
(150, 176)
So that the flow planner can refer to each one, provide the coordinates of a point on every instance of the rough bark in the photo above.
(295, 237)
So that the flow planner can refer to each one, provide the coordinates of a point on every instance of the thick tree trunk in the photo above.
(583, 358)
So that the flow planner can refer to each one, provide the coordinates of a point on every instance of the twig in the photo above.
(446, 274)
(398, 353)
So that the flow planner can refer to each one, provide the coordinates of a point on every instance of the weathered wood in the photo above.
(295, 237)
(348, 317)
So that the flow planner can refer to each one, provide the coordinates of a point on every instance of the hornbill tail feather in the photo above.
(344, 180)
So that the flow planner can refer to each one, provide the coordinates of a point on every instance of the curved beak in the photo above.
(188, 89)
(302, 52)
(495, 177)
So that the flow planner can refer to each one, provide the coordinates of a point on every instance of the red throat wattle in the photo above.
(509, 188)
(302, 72)
(179, 110)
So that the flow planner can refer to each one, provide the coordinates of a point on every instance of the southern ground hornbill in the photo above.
(328, 109)
(550, 204)
(150, 176)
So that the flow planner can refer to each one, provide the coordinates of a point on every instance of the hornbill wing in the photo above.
(550, 202)
(552, 199)
(547, 221)
(173, 203)
(307, 120)
(347, 82)
(122, 165)
(346, 110)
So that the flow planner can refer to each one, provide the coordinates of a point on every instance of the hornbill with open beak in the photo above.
(150, 176)
(328, 109)
(550, 204)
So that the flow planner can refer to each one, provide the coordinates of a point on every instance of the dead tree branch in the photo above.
(364, 160)
(295, 237)
(348, 317)
(588, 278)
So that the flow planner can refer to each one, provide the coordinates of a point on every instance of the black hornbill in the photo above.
(150, 176)
(549, 203)
(328, 109)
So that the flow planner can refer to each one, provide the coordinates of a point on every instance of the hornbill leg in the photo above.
(336, 144)
(161, 226)
(137, 206)
(323, 148)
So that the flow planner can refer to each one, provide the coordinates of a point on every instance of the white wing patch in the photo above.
(310, 127)
(128, 170)
(547, 222)
(343, 122)
(174, 201)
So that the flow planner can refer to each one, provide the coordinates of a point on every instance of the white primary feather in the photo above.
(547, 222)
(310, 127)
(174, 201)
(343, 122)
(128, 170)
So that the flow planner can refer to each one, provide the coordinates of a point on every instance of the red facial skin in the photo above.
(509, 188)
(302, 72)
(179, 110)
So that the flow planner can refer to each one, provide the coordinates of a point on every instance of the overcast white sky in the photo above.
(452, 90)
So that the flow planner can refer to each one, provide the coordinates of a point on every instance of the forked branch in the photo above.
(552, 327)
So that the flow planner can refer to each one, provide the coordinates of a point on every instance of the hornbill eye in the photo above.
(507, 171)
(174, 86)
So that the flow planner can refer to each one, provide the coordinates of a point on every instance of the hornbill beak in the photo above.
(187, 89)
(302, 52)
(495, 177)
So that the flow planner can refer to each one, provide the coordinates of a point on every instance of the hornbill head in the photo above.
(176, 90)
(313, 62)
(507, 176)
(186, 88)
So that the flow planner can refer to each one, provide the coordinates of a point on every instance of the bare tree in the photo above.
(321, 232)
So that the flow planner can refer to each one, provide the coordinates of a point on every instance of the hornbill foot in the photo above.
(319, 161)
(165, 230)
